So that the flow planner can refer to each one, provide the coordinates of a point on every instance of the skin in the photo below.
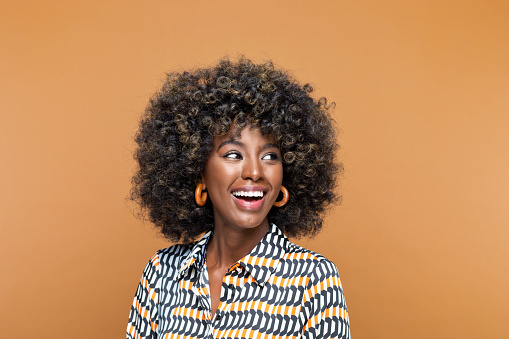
(245, 162)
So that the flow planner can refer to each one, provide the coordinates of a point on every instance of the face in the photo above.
(243, 176)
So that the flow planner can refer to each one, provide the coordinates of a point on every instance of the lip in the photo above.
(249, 205)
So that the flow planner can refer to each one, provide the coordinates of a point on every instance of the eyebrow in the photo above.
(229, 141)
(238, 143)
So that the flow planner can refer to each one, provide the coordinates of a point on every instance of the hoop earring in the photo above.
(283, 201)
(201, 198)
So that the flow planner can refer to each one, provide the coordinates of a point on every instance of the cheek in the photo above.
(279, 171)
(214, 172)
(275, 175)
(218, 178)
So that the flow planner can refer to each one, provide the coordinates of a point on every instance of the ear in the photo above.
(202, 181)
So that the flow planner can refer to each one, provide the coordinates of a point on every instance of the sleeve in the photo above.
(324, 309)
(143, 318)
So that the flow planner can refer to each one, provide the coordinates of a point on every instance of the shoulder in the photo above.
(167, 260)
(299, 261)
(173, 255)
(323, 283)
(170, 258)
(324, 312)
(297, 253)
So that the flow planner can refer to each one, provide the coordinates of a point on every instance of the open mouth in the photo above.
(248, 196)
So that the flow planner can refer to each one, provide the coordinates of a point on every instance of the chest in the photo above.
(246, 308)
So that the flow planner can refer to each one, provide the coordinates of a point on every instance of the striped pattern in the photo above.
(279, 290)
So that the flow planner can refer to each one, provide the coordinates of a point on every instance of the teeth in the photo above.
(249, 194)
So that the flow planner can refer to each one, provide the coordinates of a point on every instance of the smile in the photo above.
(248, 199)
(249, 194)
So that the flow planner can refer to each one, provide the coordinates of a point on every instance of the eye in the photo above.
(270, 156)
(233, 155)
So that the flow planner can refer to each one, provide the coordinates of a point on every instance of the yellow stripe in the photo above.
(328, 313)
(188, 313)
(285, 282)
(246, 333)
(173, 335)
(155, 260)
(299, 256)
(255, 260)
(132, 331)
(141, 310)
(322, 285)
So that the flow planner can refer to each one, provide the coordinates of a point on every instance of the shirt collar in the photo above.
(260, 262)
(196, 257)
(264, 258)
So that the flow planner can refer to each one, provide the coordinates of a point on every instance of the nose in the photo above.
(252, 169)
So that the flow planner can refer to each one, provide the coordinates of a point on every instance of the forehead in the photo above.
(248, 134)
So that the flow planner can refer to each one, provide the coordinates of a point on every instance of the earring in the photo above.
(201, 198)
(283, 201)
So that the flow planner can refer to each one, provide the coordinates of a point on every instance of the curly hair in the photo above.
(176, 134)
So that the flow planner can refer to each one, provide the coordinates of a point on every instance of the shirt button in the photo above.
(218, 317)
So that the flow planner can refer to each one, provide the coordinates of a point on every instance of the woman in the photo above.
(241, 152)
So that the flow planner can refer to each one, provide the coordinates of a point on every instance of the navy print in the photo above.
(279, 290)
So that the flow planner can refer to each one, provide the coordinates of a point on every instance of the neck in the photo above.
(228, 245)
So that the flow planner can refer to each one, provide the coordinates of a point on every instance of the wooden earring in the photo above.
(201, 198)
(283, 201)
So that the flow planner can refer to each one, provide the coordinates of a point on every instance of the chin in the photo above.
(249, 223)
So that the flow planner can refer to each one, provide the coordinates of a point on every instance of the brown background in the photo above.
(422, 91)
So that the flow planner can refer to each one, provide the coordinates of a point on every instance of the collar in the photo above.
(196, 257)
(264, 258)
(260, 262)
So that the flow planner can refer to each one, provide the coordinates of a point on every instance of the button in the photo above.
(218, 317)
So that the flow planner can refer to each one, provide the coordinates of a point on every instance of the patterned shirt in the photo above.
(279, 290)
